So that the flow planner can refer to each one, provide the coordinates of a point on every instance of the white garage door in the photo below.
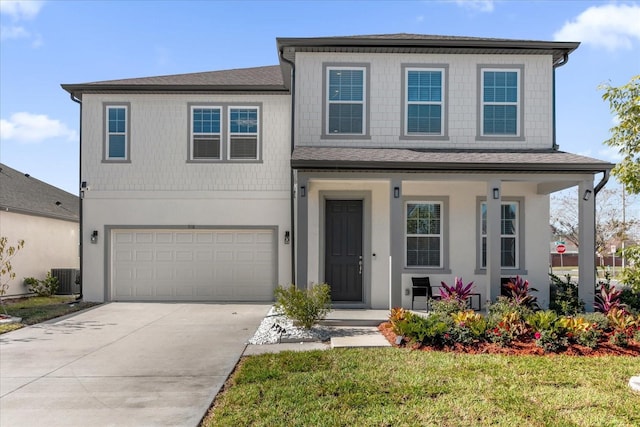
(192, 265)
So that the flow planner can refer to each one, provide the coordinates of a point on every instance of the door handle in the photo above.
(360, 265)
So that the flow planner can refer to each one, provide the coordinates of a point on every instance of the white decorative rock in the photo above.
(7, 320)
(634, 383)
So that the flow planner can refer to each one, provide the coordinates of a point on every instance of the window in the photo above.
(509, 234)
(424, 102)
(500, 102)
(424, 232)
(345, 101)
(117, 133)
(205, 133)
(243, 133)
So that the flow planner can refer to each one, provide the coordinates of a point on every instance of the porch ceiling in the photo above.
(399, 159)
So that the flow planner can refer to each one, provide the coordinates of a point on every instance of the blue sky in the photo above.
(46, 43)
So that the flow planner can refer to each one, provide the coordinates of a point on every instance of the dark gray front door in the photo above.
(343, 249)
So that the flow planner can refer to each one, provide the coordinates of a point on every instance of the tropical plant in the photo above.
(7, 253)
(472, 322)
(304, 307)
(519, 291)
(457, 292)
(599, 320)
(422, 329)
(607, 298)
(564, 296)
(551, 340)
(543, 321)
(504, 306)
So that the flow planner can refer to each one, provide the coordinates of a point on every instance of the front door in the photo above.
(343, 249)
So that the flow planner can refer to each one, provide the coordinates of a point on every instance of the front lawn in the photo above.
(400, 387)
(34, 310)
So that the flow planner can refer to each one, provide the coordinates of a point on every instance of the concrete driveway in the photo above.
(123, 364)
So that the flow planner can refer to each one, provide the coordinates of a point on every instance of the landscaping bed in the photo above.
(520, 347)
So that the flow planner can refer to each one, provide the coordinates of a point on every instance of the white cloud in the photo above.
(21, 9)
(13, 32)
(27, 127)
(612, 26)
(611, 154)
(479, 5)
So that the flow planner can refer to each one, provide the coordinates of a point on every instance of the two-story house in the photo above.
(358, 161)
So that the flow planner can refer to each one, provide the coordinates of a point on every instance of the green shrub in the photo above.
(551, 341)
(599, 320)
(42, 288)
(421, 329)
(543, 321)
(619, 339)
(504, 307)
(447, 307)
(564, 296)
(589, 338)
(304, 307)
(631, 299)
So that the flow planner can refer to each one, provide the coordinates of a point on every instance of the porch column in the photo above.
(494, 207)
(302, 231)
(396, 240)
(587, 244)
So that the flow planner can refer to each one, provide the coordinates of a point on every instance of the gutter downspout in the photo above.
(291, 175)
(79, 102)
(565, 59)
(603, 181)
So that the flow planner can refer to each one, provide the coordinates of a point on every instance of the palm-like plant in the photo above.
(459, 292)
(607, 298)
(518, 291)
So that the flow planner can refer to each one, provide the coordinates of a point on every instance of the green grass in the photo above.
(38, 309)
(399, 387)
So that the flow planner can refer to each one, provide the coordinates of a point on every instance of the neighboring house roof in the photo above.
(444, 160)
(24, 194)
(257, 79)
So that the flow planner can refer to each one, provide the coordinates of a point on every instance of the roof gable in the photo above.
(19, 192)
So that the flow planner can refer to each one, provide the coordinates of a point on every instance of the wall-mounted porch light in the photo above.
(396, 192)
(587, 195)
(287, 237)
(303, 191)
(94, 236)
(496, 193)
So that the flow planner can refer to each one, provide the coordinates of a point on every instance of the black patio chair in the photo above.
(422, 288)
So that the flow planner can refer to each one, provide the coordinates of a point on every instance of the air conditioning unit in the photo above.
(66, 280)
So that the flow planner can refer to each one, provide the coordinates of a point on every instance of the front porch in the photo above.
(481, 225)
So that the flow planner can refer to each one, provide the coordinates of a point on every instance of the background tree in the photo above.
(624, 102)
(610, 227)
(6, 270)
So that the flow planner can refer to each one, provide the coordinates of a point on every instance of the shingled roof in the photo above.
(424, 43)
(337, 158)
(256, 79)
(24, 194)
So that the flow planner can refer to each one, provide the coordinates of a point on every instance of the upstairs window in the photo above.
(205, 133)
(117, 133)
(424, 231)
(500, 102)
(243, 133)
(424, 93)
(346, 99)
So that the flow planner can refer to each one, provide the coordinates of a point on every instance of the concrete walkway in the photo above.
(123, 364)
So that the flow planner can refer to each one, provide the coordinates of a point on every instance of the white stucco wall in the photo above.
(159, 187)
(385, 99)
(49, 243)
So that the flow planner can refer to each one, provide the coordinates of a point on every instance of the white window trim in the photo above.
(192, 133)
(243, 134)
(517, 103)
(440, 236)
(329, 102)
(440, 103)
(516, 235)
(107, 158)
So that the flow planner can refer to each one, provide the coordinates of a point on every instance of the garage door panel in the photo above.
(199, 265)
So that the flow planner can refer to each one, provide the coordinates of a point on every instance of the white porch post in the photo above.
(397, 241)
(587, 240)
(494, 198)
